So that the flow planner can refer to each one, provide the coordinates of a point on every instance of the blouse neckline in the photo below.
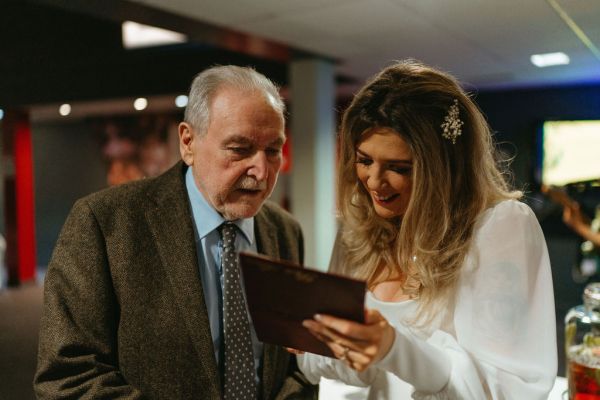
(373, 298)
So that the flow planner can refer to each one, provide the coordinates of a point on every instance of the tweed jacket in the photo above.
(124, 314)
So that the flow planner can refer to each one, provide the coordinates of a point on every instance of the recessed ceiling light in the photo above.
(181, 101)
(64, 110)
(140, 103)
(549, 59)
(140, 35)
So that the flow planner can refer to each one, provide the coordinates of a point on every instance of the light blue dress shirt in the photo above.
(208, 250)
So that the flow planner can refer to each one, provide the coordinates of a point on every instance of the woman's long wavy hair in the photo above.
(453, 183)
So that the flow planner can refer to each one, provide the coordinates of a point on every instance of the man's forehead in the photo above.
(255, 139)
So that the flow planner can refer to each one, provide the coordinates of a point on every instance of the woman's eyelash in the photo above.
(401, 170)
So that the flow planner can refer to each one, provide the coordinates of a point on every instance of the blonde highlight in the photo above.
(453, 184)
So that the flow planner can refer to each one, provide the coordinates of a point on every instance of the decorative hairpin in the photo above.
(452, 123)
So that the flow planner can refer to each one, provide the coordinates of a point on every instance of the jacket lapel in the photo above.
(266, 239)
(274, 357)
(170, 221)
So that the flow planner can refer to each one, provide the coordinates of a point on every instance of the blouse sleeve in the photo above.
(314, 367)
(504, 320)
(504, 340)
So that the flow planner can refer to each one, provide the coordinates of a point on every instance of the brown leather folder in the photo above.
(281, 295)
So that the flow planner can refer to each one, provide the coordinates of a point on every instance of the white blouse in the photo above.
(496, 340)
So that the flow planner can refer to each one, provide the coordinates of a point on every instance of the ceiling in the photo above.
(55, 51)
(486, 43)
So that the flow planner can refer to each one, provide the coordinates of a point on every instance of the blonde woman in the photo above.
(460, 302)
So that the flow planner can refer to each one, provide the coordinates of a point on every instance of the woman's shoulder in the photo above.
(506, 215)
(510, 209)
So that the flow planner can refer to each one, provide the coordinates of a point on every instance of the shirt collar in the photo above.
(207, 219)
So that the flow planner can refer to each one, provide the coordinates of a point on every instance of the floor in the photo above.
(334, 390)
(20, 312)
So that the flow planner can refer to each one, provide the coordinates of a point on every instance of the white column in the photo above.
(312, 196)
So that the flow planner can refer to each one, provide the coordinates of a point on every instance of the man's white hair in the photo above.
(206, 84)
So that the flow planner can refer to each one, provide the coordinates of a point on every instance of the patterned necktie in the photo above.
(239, 358)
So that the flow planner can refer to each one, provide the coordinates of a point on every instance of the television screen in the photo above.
(570, 152)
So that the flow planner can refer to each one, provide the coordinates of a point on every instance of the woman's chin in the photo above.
(386, 213)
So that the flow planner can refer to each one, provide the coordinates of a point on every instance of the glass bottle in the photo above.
(582, 346)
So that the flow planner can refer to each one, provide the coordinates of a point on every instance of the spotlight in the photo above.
(64, 110)
(549, 59)
(181, 101)
(140, 103)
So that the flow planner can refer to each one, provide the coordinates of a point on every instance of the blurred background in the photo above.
(91, 93)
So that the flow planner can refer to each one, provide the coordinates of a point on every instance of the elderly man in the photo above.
(143, 295)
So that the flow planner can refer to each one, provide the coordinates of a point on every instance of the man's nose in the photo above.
(259, 166)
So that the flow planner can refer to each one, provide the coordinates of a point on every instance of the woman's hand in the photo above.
(359, 345)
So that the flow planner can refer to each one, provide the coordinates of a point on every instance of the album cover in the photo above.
(281, 295)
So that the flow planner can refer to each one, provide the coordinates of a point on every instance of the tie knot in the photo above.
(228, 231)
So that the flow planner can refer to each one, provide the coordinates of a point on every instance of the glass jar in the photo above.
(582, 346)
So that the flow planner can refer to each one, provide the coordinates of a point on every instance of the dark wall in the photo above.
(2, 231)
(68, 164)
(515, 116)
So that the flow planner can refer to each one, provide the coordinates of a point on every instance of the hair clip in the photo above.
(452, 123)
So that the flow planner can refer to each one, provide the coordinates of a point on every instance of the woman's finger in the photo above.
(345, 328)
(293, 351)
(353, 358)
(358, 357)
(331, 335)
(338, 350)
(360, 334)
(373, 316)
(313, 329)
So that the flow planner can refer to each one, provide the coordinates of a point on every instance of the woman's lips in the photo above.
(384, 200)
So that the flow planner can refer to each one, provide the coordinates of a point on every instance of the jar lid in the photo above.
(592, 291)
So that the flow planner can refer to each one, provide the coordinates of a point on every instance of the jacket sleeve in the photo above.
(296, 386)
(77, 355)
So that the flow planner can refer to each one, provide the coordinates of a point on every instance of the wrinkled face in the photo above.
(236, 162)
(384, 164)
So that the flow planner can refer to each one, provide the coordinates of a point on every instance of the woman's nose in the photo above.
(376, 180)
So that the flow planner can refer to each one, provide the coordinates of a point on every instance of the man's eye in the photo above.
(239, 150)
(273, 152)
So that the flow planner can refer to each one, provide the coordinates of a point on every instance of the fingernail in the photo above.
(306, 323)
(318, 317)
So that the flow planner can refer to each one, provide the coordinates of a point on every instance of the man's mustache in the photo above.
(250, 183)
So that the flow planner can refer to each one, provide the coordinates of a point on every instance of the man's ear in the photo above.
(186, 140)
